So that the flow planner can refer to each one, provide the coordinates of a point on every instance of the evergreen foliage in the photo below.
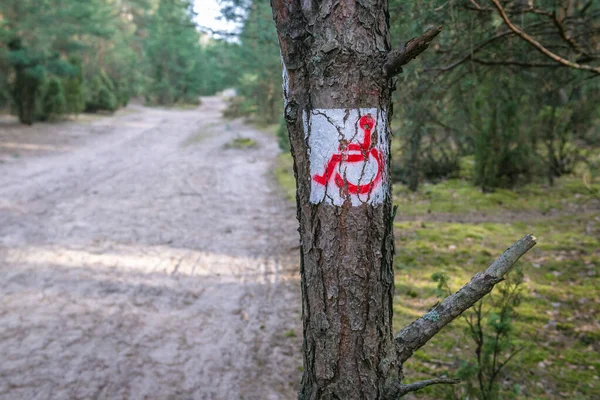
(485, 93)
(491, 328)
(258, 62)
(104, 52)
(74, 90)
(519, 118)
(101, 94)
(260, 84)
(173, 50)
(54, 102)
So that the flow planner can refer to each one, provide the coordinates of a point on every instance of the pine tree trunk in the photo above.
(333, 84)
(337, 73)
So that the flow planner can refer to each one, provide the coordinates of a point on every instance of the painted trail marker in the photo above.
(347, 152)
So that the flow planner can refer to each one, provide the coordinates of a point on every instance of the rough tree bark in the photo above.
(338, 66)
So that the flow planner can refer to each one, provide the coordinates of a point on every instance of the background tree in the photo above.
(105, 51)
(258, 57)
(440, 135)
(173, 45)
(478, 50)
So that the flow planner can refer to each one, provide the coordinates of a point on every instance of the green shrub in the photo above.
(491, 330)
(101, 95)
(74, 96)
(53, 102)
(122, 92)
(106, 81)
(74, 90)
(107, 99)
(123, 97)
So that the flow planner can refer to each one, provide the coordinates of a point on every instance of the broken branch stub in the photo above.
(411, 49)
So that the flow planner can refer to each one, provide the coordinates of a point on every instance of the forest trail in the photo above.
(146, 260)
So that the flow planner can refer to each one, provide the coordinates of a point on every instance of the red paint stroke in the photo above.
(366, 123)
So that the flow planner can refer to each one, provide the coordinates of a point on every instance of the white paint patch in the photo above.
(285, 84)
(348, 150)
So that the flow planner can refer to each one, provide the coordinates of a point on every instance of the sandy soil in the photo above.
(142, 259)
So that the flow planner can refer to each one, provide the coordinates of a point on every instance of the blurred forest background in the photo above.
(492, 139)
(62, 57)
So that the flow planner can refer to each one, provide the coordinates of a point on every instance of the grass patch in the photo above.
(242, 143)
(557, 320)
(175, 106)
(461, 197)
(271, 129)
(289, 334)
(284, 172)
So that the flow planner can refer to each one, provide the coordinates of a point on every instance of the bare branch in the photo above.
(411, 49)
(518, 10)
(477, 6)
(482, 45)
(400, 389)
(524, 64)
(420, 331)
(523, 35)
(473, 51)
(565, 36)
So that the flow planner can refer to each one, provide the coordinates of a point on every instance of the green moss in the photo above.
(556, 321)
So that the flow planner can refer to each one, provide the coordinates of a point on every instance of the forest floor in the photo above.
(146, 255)
(455, 229)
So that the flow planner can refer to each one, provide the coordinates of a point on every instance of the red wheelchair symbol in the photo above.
(361, 154)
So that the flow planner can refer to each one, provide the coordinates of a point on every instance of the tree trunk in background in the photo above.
(414, 159)
(333, 53)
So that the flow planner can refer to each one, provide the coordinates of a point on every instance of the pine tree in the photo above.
(172, 49)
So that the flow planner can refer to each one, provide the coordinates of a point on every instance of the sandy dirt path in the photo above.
(148, 261)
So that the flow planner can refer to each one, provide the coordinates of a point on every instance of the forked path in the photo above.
(148, 261)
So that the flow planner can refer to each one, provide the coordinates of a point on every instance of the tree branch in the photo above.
(563, 33)
(523, 35)
(518, 10)
(472, 51)
(411, 49)
(400, 389)
(420, 331)
(523, 64)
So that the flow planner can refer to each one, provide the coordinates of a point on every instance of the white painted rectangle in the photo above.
(348, 150)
